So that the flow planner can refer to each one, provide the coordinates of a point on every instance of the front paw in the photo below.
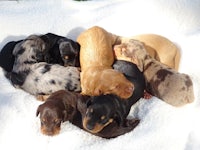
(132, 122)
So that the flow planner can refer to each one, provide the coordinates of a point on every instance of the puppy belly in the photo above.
(42, 81)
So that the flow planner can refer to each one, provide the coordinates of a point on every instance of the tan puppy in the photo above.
(96, 59)
(166, 83)
(159, 47)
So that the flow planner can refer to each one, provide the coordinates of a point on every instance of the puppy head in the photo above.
(101, 111)
(132, 51)
(117, 84)
(69, 51)
(50, 118)
(30, 50)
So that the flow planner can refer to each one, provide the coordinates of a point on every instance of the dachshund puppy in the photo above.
(6, 57)
(96, 59)
(166, 83)
(134, 75)
(102, 110)
(37, 77)
(61, 50)
(158, 47)
(70, 106)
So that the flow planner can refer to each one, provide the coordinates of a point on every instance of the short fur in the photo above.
(6, 57)
(37, 77)
(74, 106)
(166, 83)
(158, 47)
(96, 59)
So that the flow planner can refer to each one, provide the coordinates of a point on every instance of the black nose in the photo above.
(90, 127)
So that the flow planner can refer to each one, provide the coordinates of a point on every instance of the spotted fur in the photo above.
(37, 77)
(166, 83)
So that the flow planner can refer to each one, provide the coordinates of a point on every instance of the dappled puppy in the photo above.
(166, 83)
(96, 59)
(37, 77)
(71, 106)
(158, 47)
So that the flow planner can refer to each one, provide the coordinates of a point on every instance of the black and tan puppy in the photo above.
(37, 77)
(61, 50)
(64, 105)
(162, 81)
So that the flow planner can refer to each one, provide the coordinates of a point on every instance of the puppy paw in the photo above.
(42, 97)
(132, 122)
(147, 95)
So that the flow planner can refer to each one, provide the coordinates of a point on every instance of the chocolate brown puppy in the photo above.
(69, 106)
(96, 59)
(166, 83)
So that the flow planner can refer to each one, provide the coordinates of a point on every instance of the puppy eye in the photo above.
(103, 120)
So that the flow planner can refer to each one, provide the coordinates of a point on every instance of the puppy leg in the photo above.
(42, 97)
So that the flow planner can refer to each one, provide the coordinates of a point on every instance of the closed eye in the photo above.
(103, 120)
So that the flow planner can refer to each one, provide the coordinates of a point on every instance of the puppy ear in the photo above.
(65, 116)
(38, 111)
(88, 103)
(119, 118)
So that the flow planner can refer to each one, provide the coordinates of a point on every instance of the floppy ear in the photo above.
(38, 111)
(88, 103)
(65, 116)
(118, 117)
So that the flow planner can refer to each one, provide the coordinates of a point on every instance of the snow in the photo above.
(162, 126)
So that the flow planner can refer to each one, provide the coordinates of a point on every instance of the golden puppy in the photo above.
(162, 81)
(96, 59)
(159, 47)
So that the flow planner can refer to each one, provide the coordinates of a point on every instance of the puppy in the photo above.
(61, 50)
(166, 83)
(71, 106)
(134, 75)
(158, 47)
(96, 59)
(6, 57)
(102, 110)
(37, 77)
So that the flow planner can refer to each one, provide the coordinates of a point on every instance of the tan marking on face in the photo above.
(66, 57)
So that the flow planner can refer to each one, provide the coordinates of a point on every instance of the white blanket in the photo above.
(162, 126)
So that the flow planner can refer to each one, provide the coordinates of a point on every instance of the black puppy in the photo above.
(102, 110)
(6, 57)
(70, 106)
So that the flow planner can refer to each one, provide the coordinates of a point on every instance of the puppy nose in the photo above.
(89, 127)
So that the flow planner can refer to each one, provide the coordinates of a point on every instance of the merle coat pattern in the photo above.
(37, 77)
